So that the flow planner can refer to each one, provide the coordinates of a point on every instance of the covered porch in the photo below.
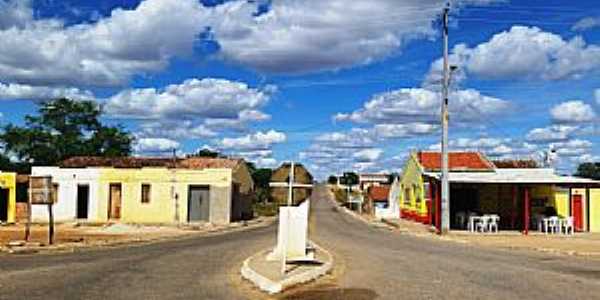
(520, 198)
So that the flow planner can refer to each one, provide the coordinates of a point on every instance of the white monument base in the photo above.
(292, 234)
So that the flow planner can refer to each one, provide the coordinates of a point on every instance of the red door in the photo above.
(577, 213)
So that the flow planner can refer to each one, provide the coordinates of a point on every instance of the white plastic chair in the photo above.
(568, 225)
(482, 225)
(539, 219)
(493, 223)
(554, 225)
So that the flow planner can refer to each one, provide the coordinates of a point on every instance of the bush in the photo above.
(266, 209)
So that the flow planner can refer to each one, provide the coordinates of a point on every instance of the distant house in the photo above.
(149, 190)
(377, 197)
(282, 175)
(367, 180)
(477, 186)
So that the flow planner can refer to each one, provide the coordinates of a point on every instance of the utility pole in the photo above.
(445, 211)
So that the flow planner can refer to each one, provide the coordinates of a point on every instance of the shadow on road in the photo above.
(332, 293)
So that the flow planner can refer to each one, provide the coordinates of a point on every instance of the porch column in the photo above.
(513, 214)
(431, 202)
(526, 212)
(438, 207)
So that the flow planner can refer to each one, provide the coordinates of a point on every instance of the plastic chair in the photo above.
(482, 225)
(554, 225)
(493, 223)
(569, 225)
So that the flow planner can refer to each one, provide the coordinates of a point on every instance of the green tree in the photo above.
(350, 178)
(204, 152)
(589, 170)
(64, 128)
(332, 179)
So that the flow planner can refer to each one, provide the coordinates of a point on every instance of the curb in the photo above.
(273, 287)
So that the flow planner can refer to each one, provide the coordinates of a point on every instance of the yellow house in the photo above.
(162, 195)
(151, 190)
(520, 196)
(8, 197)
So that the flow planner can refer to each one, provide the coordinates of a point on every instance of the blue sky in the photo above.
(337, 84)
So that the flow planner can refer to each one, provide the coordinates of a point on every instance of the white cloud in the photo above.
(553, 133)
(572, 112)
(574, 147)
(20, 91)
(368, 155)
(586, 23)
(409, 105)
(175, 129)
(256, 141)
(300, 36)
(389, 131)
(215, 103)
(524, 52)
(153, 145)
(355, 138)
(15, 13)
(107, 52)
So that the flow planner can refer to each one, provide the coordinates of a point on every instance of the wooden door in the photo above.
(114, 201)
(577, 212)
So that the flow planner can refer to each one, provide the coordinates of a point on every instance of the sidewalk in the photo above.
(580, 244)
(73, 236)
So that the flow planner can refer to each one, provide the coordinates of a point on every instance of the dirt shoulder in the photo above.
(73, 236)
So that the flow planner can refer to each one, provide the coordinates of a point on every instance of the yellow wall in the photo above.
(595, 210)
(9, 181)
(161, 208)
(412, 179)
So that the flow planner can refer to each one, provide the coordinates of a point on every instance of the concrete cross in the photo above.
(291, 184)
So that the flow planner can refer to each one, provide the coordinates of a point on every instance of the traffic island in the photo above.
(266, 274)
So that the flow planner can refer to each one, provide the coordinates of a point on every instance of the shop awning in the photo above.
(515, 176)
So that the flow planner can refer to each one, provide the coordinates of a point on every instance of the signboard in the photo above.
(41, 190)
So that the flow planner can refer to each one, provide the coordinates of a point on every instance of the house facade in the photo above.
(149, 191)
(8, 196)
(520, 196)
(367, 180)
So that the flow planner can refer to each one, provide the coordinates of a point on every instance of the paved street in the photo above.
(193, 268)
(371, 263)
(395, 266)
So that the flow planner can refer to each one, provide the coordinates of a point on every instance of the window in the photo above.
(418, 193)
(145, 193)
(407, 196)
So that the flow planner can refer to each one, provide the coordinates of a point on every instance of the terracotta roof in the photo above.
(379, 193)
(458, 161)
(516, 164)
(208, 163)
(141, 162)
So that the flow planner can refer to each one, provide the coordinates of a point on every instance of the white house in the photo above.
(77, 192)
(367, 180)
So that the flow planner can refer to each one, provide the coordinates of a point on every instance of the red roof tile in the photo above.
(141, 162)
(379, 193)
(458, 161)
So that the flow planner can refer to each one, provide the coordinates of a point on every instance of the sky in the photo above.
(337, 85)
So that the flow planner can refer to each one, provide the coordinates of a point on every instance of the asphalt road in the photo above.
(192, 268)
(388, 265)
(371, 263)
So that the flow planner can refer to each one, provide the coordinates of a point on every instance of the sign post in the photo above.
(41, 193)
